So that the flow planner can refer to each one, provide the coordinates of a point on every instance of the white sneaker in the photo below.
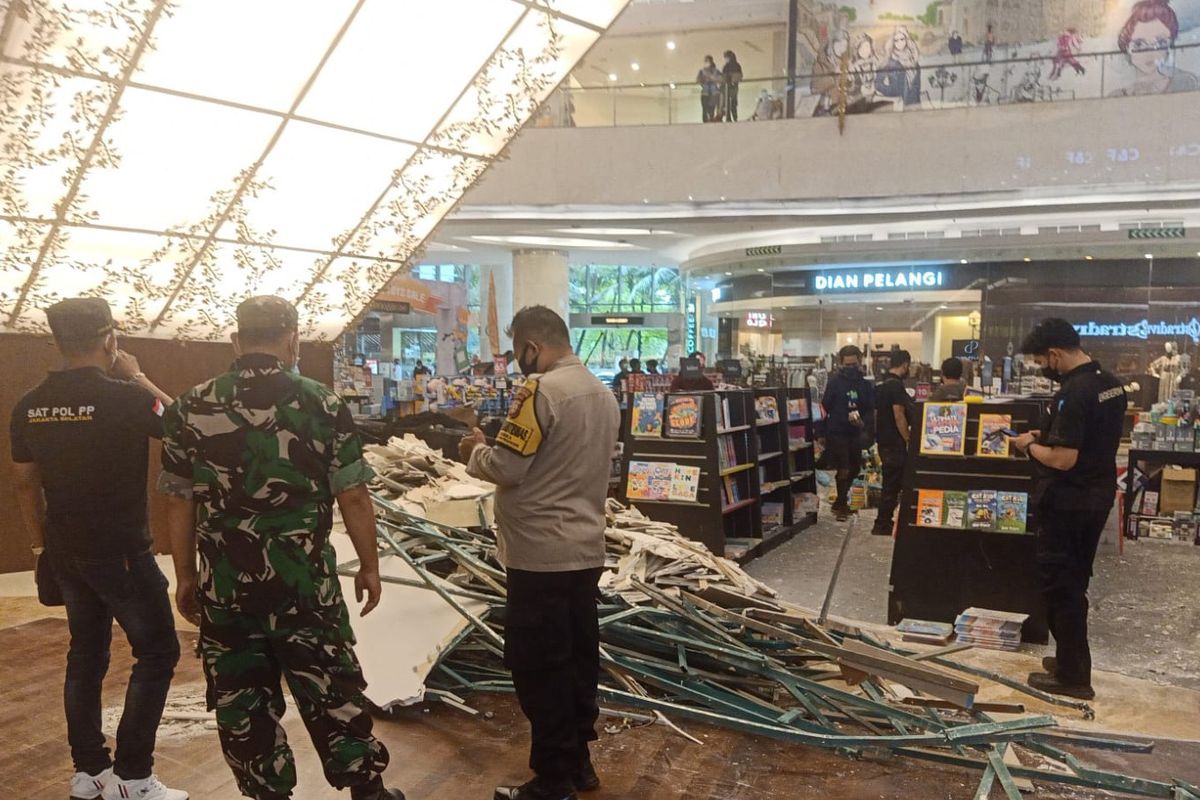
(89, 787)
(143, 789)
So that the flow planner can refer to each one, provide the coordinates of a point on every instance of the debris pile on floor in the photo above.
(689, 635)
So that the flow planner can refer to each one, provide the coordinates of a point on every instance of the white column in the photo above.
(540, 278)
(503, 276)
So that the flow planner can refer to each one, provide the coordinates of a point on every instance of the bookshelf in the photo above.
(720, 441)
(938, 571)
(784, 441)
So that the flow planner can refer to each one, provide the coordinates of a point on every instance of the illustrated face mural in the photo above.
(1149, 45)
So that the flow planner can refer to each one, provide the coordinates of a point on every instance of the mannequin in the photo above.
(1168, 368)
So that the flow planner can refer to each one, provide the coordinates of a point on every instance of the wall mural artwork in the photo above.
(892, 55)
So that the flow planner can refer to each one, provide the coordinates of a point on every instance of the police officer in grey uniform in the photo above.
(1076, 457)
(551, 464)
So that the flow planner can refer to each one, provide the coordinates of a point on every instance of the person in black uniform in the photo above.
(1076, 456)
(80, 452)
(849, 403)
(893, 409)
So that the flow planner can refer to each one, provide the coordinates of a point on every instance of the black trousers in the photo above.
(1067, 542)
(133, 591)
(552, 647)
(892, 457)
(844, 455)
(731, 102)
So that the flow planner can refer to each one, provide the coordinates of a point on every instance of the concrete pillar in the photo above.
(503, 276)
(540, 277)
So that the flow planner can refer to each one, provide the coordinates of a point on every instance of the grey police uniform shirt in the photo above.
(551, 464)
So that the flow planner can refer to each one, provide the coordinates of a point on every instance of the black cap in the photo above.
(266, 313)
(80, 318)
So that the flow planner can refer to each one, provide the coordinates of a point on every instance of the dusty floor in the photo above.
(1144, 622)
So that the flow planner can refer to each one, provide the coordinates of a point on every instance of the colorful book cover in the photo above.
(772, 514)
(992, 444)
(646, 416)
(1150, 503)
(766, 409)
(955, 504)
(683, 416)
(930, 507)
(944, 429)
(685, 484)
(981, 509)
(637, 486)
(635, 382)
(797, 409)
(661, 475)
(1012, 508)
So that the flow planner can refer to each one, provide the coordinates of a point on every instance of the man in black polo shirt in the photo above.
(1076, 456)
(892, 432)
(80, 446)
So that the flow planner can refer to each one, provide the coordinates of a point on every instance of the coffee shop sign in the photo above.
(895, 279)
(1142, 330)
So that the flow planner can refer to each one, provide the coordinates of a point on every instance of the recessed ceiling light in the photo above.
(1149, 255)
(557, 241)
(635, 66)
(690, 197)
(879, 308)
(722, 198)
(670, 44)
(1027, 258)
(728, 273)
(760, 269)
(612, 76)
(962, 261)
(1089, 258)
(672, 86)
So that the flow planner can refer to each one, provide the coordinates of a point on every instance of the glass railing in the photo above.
(867, 86)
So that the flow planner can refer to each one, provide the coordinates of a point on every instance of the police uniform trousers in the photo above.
(245, 655)
(552, 648)
(1067, 540)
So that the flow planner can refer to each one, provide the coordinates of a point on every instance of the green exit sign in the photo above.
(1157, 233)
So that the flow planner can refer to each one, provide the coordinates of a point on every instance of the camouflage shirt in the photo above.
(263, 452)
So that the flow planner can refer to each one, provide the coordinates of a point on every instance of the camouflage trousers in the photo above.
(245, 656)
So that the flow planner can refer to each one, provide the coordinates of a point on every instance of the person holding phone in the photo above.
(1077, 479)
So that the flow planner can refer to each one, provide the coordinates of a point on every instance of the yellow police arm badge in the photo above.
(521, 432)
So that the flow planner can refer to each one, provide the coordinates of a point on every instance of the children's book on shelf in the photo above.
(683, 416)
(660, 479)
(992, 443)
(944, 429)
(981, 509)
(797, 409)
(1012, 510)
(931, 507)
(766, 409)
(730, 490)
(955, 509)
(727, 456)
(646, 416)
(685, 483)
(637, 485)
(772, 514)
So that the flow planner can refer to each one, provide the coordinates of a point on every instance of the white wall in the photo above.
(899, 155)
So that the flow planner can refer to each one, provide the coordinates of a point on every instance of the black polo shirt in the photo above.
(89, 436)
(888, 395)
(1087, 414)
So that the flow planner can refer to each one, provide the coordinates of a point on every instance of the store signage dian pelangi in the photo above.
(880, 280)
(759, 319)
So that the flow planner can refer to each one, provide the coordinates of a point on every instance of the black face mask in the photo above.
(851, 372)
(527, 367)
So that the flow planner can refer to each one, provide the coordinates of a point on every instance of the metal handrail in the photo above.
(932, 63)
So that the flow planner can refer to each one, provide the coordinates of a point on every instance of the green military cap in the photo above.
(80, 318)
(267, 313)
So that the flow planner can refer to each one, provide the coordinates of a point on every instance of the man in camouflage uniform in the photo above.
(252, 462)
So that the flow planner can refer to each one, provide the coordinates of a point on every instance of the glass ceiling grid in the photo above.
(175, 264)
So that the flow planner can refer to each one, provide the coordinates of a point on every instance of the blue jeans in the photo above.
(132, 590)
